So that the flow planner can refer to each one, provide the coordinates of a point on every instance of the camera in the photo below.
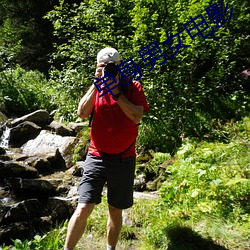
(110, 68)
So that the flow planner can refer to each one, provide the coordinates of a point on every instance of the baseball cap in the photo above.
(107, 54)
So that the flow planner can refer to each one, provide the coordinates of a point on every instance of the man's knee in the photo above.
(83, 210)
(113, 211)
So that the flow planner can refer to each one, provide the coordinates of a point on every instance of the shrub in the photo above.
(24, 91)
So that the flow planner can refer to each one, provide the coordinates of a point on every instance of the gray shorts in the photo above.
(117, 173)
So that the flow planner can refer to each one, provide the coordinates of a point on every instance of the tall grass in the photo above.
(204, 203)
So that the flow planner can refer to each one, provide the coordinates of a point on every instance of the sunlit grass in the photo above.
(204, 204)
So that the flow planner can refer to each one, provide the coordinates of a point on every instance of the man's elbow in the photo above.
(82, 114)
(137, 119)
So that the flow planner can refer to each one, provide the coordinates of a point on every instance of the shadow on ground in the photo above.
(184, 238)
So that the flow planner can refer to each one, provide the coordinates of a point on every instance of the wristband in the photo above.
(116, 96)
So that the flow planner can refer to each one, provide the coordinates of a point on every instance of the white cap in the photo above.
(108, 54)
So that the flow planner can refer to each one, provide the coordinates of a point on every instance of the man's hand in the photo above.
(99, 69)
(116, 90)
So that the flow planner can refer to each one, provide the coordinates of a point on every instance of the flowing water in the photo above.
(4, 139)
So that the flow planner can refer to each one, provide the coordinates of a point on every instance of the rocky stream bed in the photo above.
(38, 177)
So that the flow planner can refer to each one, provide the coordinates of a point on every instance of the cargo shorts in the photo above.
(117, 173)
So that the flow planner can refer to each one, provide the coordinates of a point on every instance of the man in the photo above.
(111, 154)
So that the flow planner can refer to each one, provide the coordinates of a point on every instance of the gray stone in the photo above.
(2, 151)
(16, 169)
(39, 117)
(60, 208)
(42, 165)
(78, 126)
(17, 230)
(61, 129)
(23, 132)
(140, 182)
(32, 186)
(48, 142)
(23, 211)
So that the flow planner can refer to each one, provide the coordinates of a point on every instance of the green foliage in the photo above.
(10, 44)
(201, 84)
(204, 202)
(24, 91)
(52, 240)
(212, 178)
(26, 38)
(82, 146)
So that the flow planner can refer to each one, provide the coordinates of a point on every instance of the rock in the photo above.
(23, 132)
(3, 118)
(3, 210)
(77, 126)
(140, 182)
(16, 169)
(31, 187)
(23, 211)
(60, 208)
(47, 141)
(18, 230)
(39, 117)
(4, 135)
(61, 129)
(4, 158)
(42, 165)
(55, 159)
(2, 151)
(44, 223)
(76, 170)
(73, 192)
(48, 153)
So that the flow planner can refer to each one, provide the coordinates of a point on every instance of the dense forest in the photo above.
(193, 60)
(195, 74)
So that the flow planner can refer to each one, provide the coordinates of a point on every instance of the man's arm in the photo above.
(132, 111)
(87, 102)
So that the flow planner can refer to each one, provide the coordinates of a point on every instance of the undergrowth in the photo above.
(204, 203)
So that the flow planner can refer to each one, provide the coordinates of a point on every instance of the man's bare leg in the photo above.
(77, 224)
(114, 225)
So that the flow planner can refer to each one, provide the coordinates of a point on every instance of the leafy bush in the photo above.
(212, 178)
(24, 91)
(201, 84)
(53, 240)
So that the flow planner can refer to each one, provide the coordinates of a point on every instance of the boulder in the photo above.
(140, 182)
(39, 117)
(76, 170)
(2, 151)
(36, 187)
(61, 129)
(42, 165)
(23, 211)
(23, 132)
(61, 208)
(78, 126)
(3, 118)
(48, 142)
(17, 230)
(16, 169)
(44, 223)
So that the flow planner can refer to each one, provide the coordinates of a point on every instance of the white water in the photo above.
(4, 140)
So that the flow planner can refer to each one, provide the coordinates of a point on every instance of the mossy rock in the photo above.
(3, 117)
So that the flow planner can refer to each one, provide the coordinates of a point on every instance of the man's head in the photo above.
(110, 58)
(108, 54)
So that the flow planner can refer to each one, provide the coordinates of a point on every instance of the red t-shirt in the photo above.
(112, 132)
